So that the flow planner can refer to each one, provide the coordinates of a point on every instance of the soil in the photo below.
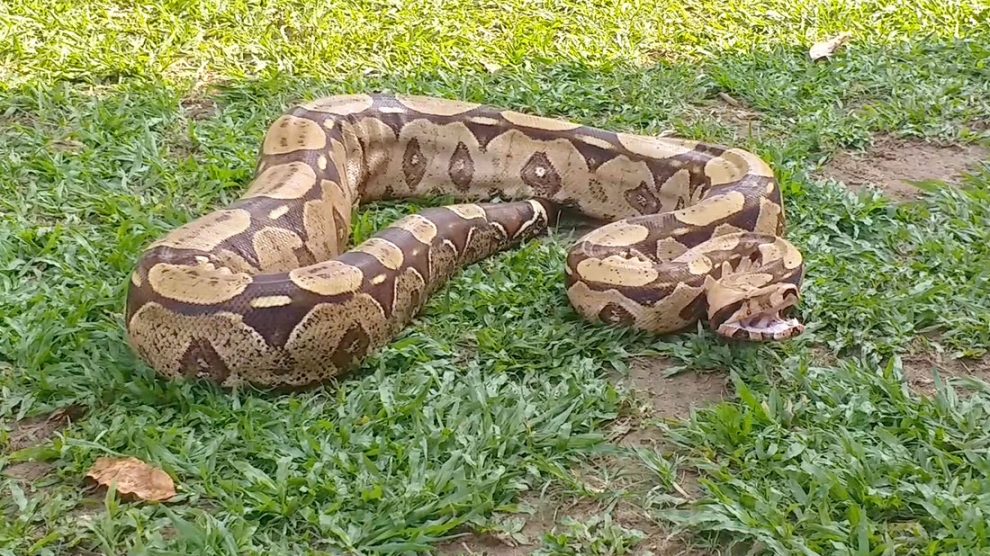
(661, 398)
(731, 113)
(196, 108)
(28, 471)
(892, 165)
(37, 430)
(550, 516)
(919, 372)
(735, 115)
(674, 397)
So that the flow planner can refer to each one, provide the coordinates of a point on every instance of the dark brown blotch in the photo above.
(201, 360)
(613, 313)
(540, 174)
(512, 216)
(642, 199)
(485, 133)
(461, 167)
(723, 314)
(593, 156)
(350, 348)
(395, 122)
(695, 236)
(413, 164)
(662, 170)
(451, 227)
(283, 141)
(597, 191)
(275, 324)
(696, 309)
(340, 227)
(304, 255)
(379, 281)
(645, 296)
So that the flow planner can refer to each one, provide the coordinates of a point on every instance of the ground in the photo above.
(896, 167)
(499, 423)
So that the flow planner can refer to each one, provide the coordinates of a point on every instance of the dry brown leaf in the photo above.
(824, 49)
(133, 478)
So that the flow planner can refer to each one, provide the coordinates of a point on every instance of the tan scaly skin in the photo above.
(266, 292)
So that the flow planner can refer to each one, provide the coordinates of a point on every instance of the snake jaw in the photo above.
(766, 326)
(759, 314)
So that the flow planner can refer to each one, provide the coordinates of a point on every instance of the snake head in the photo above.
(742, 308)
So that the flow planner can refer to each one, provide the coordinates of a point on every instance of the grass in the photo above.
(498, 391)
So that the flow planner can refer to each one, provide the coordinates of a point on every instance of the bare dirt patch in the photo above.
(734, 114)
(666, 398)
(23, 119)
(656, 397)
(37, 430)
(676, 396)
(67, 145)
(197, 108)
(893, 164)
(193, 108)
(633, 432)
(919, 372)
(822, 357)
(28, 471)
(551, 516)
(523, 542)
(487, 545)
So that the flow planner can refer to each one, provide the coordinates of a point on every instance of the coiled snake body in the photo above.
(265, 290)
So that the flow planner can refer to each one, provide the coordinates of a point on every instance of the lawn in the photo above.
(121, 120)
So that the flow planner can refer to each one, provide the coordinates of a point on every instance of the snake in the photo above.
(266, 290)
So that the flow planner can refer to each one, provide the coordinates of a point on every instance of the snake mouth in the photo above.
(756, 321)
(762, 328)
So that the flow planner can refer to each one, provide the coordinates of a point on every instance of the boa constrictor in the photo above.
(266, 292)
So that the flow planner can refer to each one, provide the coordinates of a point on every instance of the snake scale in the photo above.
(265, 291)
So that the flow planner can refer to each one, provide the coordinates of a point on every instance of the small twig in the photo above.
(728, 99)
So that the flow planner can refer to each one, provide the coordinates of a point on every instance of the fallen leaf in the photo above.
(133, 478)
(827, 48)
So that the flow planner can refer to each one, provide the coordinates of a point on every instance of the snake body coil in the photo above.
(265, 290)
